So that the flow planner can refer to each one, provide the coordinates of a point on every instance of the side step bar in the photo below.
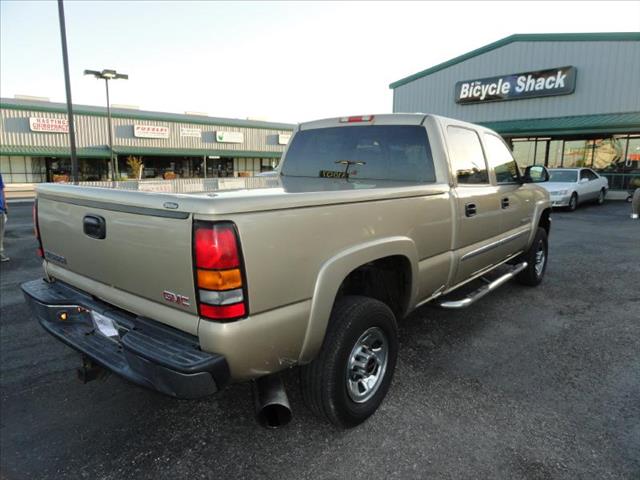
(483, 290)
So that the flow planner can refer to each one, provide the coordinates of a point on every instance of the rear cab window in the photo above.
(371, 152)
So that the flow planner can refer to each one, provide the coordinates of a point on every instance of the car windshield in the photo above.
(372, 152)
(565, 176)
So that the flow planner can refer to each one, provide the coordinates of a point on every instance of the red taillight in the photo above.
(219, 277)
(215, 247)
(36, 229)
(358, 118)
(222, 312)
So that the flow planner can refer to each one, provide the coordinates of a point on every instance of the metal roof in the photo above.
(523, 37)
(575, 125)
(92, 110)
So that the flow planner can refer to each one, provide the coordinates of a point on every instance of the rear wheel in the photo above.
(573, 202)
(536, 258)
(601, 196)
(347, 381)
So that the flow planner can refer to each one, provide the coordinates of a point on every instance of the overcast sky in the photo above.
(280, 61)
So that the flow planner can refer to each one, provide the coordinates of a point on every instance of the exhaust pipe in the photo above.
(272, 404)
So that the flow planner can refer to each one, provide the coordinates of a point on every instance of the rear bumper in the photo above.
(145, 352)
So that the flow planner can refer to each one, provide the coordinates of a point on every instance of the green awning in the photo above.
(575, 125)
(38, 151)
(97, 152)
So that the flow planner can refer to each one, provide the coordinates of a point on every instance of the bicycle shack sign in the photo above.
(517, 86)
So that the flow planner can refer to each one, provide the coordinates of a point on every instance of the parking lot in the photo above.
(529, 383)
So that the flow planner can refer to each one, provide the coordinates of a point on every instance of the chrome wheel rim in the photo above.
(572, 203)
(601, 197)
(367, 365)
(541, 258)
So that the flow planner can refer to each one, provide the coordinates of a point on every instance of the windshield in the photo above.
(373, 152)
(565, 176)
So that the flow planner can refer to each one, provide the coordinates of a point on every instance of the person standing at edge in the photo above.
(3, 216)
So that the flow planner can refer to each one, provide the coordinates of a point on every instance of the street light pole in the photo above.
(67, 84)
(107, 75)
(114, 164)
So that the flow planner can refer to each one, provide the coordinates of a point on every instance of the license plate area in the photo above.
(105, 326)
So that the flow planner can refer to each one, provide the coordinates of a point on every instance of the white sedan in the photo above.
(568, 187)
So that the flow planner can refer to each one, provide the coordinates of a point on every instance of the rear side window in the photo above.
(568, 176)
(372, 152)
(501, 160)
(467, 159)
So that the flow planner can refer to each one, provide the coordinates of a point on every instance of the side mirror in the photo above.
(584, 180)
(535, 174)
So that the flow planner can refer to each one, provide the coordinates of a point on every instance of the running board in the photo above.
(483, 290)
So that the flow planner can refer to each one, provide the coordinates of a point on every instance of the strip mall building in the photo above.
(561, 100)
(34, 143)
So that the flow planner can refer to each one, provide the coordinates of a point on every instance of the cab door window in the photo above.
(467, 158)
(501, 160)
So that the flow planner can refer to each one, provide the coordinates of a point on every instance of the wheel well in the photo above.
(545, 220)
(387, 279)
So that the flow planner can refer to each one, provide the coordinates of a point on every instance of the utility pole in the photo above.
(67, 83)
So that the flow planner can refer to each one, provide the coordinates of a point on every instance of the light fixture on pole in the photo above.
(107, 75)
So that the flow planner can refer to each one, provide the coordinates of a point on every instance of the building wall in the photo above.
(91, 131)
(607, 79)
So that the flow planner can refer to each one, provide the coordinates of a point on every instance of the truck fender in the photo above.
(333, 272)
(541, 206)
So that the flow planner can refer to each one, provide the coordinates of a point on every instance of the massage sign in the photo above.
(516, 86)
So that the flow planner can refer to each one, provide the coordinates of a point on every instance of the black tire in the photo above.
(324, 381)
(601, 195)
(573, 202)
(531, 276)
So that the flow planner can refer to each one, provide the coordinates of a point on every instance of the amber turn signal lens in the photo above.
(219, 279)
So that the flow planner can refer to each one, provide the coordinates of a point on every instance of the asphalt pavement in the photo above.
(531, 383)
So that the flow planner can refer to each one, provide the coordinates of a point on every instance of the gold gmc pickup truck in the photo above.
(365, 219)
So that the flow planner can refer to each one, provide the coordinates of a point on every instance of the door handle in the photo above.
(470, 209)
(504, 203)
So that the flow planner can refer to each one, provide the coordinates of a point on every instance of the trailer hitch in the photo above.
(90, 371)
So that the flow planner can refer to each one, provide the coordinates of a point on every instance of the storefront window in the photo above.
(523, 152)
(617, 157)
(608, 153)
(555, 154)
(632, 160)
(17, 169)
(576, 154)
(541, 151)
(632, 164)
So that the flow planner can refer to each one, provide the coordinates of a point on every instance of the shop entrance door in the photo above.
(220, 167)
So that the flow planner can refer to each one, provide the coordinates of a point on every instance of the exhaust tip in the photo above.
(271, 402)
(274, 416)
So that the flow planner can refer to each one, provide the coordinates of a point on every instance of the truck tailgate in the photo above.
(143, 253)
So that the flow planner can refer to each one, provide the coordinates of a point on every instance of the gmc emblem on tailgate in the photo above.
(175, 298)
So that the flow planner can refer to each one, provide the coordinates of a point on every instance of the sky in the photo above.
(277, 61)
